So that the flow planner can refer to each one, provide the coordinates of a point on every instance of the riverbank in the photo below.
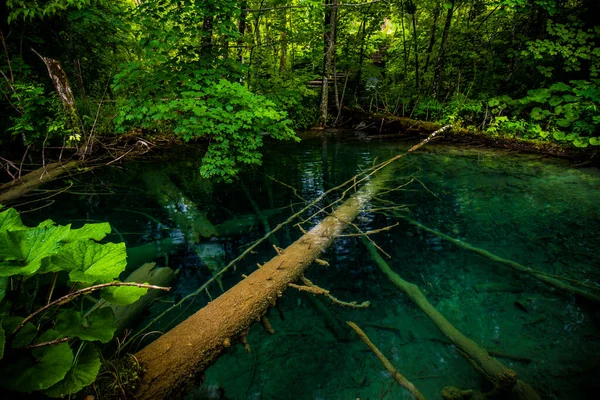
(368, 126)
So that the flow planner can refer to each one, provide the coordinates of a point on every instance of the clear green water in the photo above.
(537, 211)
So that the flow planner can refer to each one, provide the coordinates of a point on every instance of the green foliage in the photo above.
(563, 112)
(56, 352)
(181, 87)
(30, 9)
(38, 116)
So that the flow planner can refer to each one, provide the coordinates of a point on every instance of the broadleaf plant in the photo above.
(55, 352)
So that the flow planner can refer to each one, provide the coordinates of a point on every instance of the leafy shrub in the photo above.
(38, 116)
(567, 112)
(54, 350)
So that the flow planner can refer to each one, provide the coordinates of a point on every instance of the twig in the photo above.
(317, 290)
(72, 296)
(398, 377)
(49, 343)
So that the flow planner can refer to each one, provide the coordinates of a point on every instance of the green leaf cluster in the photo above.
(55, 352)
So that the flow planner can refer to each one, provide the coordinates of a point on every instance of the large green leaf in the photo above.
(89, 231)
(47, 366)
(22, 251)
(81, 374)
(123, 295)
(90, 262)
(100, 325)
(25, 334)
(10, 220)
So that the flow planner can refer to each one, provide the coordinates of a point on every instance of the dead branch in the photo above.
(72, 296)
(552, 280)
(398, 377)
(503, 378)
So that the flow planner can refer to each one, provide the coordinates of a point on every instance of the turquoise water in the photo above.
(540, 212)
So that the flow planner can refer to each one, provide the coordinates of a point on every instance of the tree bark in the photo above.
(439, 66)
(414, 24)
(13, 190)
(329, 52)
(172, 361)
(65, 94)
(436, 14)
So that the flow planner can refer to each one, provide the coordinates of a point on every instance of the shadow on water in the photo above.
(538, 212)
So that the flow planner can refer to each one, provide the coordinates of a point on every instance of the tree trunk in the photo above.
(172, 361)
(283, 43)
(436, 14)
(504, 379)
(414, 24)
(439, 66)
(192, 221)
(13, 190)
(242, 30)
(329, 52)
(65, 94)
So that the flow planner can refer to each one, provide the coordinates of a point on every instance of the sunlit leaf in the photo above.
(22, 251)
(89, 231)
(123, 295)
(90, 262)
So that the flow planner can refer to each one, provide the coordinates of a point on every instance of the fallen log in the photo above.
(149, 273)
(398, 377)
(192, 221)
(552, 280)
(172, 363)
(21, 186)
(504, 379)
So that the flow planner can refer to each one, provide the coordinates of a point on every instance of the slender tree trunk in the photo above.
(242, 30)
(439, 66)
(283, 43)
(207, 30)
(436, 14)
(65, 94)
(329, 51)
(414, 23)
(405, 56)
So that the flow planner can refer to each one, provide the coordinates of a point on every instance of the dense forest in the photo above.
(88, 84)
(513, 68)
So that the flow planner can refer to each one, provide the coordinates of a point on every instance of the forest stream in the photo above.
(534, 210)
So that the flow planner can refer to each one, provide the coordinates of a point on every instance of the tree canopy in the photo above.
(233, 72)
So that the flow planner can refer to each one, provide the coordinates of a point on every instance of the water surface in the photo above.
(535, 210)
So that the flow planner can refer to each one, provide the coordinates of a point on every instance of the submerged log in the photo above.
(552, 280)
(243, 224)
(149, 273)
(504, 379)
(173, 360)
(192, 221)
(398, 377)
(12, 190)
